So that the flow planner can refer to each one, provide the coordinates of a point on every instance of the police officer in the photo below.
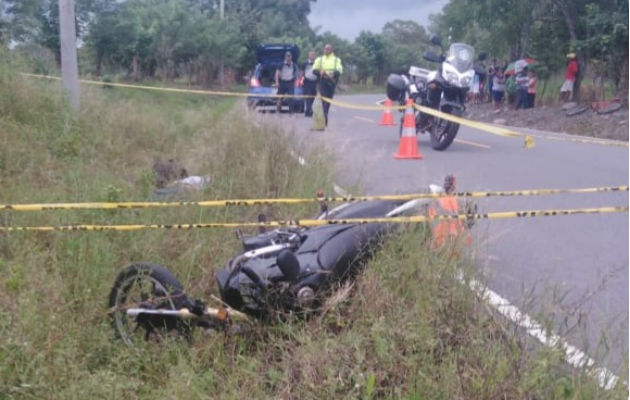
(286, 75)
(329, 68)
(310, 83)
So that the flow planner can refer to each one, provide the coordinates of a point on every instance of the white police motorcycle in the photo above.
(444, 89)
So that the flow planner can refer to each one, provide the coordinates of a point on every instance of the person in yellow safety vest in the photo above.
(445, 231)
(328, 67)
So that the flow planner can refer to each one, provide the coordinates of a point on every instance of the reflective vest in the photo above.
(445, 230)
(328, 63)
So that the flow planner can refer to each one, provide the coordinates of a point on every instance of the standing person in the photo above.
(522, 82)
(566, 91)
(511, 89)
(491, 73)
(474, 89)
(531, 89)
(310, 83)
(329, 68)
(286, 75)
(498, 87)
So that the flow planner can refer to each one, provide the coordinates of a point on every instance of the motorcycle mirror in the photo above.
(483, 55)
(431, 56)
(288, 264)
(436, 40)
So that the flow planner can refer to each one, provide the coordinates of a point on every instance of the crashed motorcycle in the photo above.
(444, 89)
(286, 270)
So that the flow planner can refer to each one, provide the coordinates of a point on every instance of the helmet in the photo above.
(396, 87)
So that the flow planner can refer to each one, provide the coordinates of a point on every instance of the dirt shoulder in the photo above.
(555, 119)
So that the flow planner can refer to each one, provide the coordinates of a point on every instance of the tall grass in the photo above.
(590, 90)
(407, 329)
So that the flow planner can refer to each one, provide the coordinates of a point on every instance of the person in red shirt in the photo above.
(566, 91)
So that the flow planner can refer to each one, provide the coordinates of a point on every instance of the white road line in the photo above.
(364, 119)
(573, 356)
(483, 146)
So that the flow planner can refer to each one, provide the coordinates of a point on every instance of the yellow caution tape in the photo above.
(528, 143)
(317, 222)
(264, 202)
(583, 140)
(361, 107)
(173, 90)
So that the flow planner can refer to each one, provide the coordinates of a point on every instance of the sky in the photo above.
(346, 18)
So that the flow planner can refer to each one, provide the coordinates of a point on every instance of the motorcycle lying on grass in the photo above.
(283, 270)
(444, 89)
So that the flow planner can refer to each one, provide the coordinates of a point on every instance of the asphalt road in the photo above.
(575, 266)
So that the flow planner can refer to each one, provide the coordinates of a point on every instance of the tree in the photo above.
(37, 21)
(374, 48)
(546, 30)
(405, 41)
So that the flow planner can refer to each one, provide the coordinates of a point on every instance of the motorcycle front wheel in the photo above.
(443, 132)
(149, 286)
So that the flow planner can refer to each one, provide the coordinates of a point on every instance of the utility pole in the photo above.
(221, 64)
(68, 39)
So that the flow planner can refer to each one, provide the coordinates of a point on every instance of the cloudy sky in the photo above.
(346, 18)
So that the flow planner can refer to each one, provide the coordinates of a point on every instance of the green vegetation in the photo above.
(547, 30)
(186, 41)
(407, 329)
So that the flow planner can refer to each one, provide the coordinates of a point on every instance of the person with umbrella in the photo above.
(516, 66)
(522, 82)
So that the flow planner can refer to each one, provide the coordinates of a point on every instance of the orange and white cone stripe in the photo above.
(408, 146)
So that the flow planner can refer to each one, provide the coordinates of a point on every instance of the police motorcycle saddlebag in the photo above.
(396, 87)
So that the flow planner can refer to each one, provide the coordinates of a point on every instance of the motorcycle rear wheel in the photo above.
(443, 132)
(145, 285)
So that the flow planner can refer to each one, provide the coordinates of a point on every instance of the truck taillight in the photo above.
(254, 82)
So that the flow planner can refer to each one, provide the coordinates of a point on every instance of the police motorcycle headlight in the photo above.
(451, 78)
(467, 78)
(451, 75)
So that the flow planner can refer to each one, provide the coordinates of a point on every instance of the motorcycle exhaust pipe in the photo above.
(220, 314)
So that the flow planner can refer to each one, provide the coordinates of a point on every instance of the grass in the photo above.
(407, 329)
(549, 90)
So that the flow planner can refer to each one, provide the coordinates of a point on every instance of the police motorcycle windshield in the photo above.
(461, 56)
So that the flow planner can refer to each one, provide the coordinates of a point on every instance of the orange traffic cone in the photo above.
(408, 147)
(388, 116)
